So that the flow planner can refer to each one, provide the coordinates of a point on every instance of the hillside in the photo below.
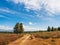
(37, 38)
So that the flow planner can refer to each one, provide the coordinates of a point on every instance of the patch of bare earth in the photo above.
(32, 40)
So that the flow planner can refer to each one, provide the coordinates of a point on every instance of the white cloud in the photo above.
(49, 5)
(11, 12)
(39, 16)
(53, 6)
(48, 19)
(14, 13)
(5, 27)
(29, 4)
(2, 16)
(7, 10)
(29, 28)
(30, 23)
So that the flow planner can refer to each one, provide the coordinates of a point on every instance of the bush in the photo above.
(45, 37)
(53, 40)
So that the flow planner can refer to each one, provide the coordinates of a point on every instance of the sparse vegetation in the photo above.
(6, 38)
(53, 29)
(49, 35)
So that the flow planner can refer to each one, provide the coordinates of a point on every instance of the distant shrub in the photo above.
(53, 40)
(59, 28)
(45, 37)
(37, 36)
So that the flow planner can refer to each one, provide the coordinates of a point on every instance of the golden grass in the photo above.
(5, 38)
(41, 38)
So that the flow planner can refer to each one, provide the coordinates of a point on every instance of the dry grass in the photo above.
(5, 38)
(41, 38)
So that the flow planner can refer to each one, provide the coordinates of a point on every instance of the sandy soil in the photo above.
(32, 40)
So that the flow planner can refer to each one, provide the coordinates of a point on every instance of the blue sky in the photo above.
(34, 14)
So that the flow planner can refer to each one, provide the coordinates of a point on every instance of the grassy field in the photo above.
(6, 38)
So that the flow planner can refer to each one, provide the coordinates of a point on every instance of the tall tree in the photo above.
(21, 27)
(18, 28)
(48, 29)
(52, 29)
(58, 28)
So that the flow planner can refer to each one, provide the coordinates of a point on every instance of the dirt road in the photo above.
(32, 40)
(20, 41)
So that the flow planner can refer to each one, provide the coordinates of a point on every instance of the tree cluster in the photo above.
(53, 29)
(18, 28)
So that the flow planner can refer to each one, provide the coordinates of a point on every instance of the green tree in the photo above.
(52, 29)
(18, 28)
(21, 28)
(58, 28)
(48, 29)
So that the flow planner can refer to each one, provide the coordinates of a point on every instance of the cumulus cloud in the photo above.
(5, 27)
(30, 23)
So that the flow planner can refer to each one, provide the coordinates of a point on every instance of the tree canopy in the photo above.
(53, 29)
(18, 28)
